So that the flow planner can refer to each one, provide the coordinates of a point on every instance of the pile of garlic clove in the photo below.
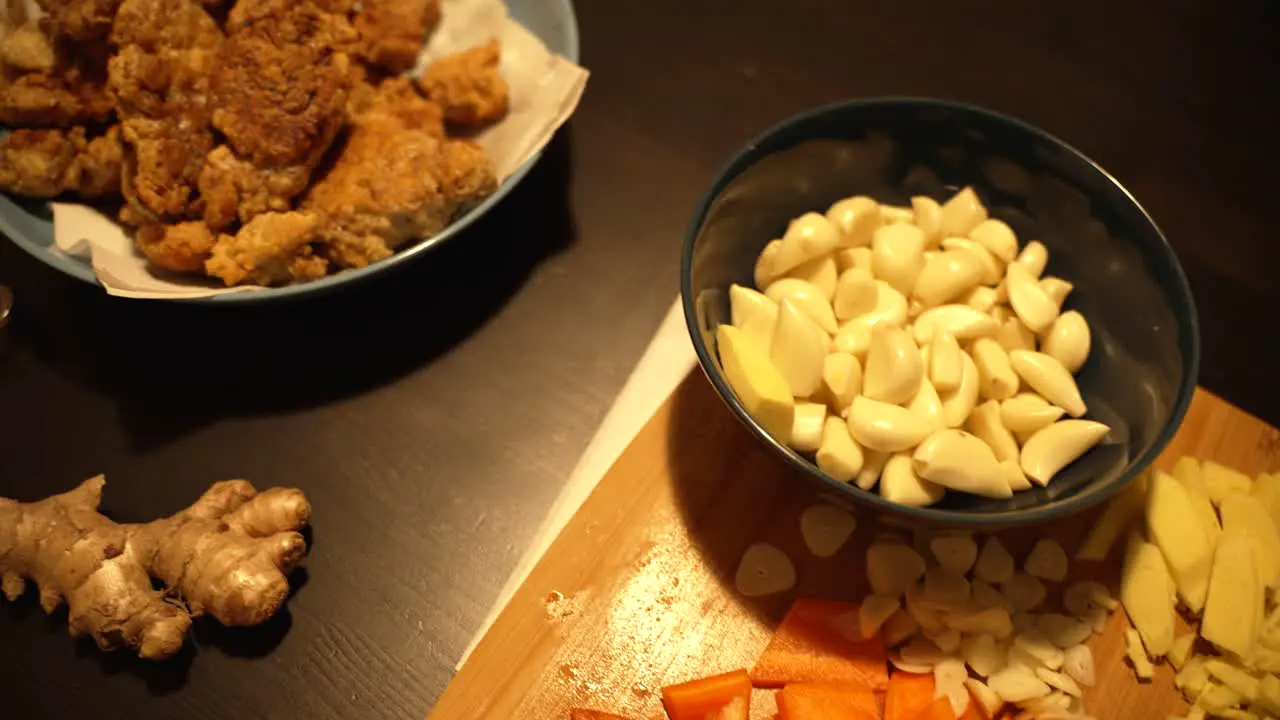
(968, 615)
(915, 349)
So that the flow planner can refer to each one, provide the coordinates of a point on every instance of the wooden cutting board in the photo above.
(637, 591)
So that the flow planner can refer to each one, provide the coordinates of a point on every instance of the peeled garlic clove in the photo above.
(765, 272)
(997, 237)
(764, 570)
(1068, 340)
(857, 218)
(928, 215)
(897, 255)
(996, 378)
(798, 349)
(959, 403)
(1013, 335)
(806, 428)
(1012, 473)
(841, 379)
(892, 567)
(985, 423)
(873, 463)
(945, 365)
(825, 529)
(962, 213)
(957, 460)
(753, 313)
(927, 404)
(992, 268)
(892, 214)
(1034, 257)
(809, 236)
(1028, 412)
(1032, 304)
(1057, 446)
(891, 307)
(1048, 377)
(885, 427)
(899, 484)
(808, 298)
(856, 294)
(838, 455)
(946, 276)
(854, 337)
(857, 257)
(962, 321)
(758, 384)
(894, 366)
(1056, 288)
(819, 272)
(981, 298)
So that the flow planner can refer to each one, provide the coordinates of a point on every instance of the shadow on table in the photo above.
(174, 367)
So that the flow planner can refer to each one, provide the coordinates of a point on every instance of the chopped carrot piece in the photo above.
(720, 697)
(819, 641)
(827, 701)
(908, 695)
(581, 714)
(939, 709)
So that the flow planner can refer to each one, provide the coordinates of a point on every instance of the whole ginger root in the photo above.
(227, 555)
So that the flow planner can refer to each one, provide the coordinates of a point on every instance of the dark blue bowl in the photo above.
(1141, 372)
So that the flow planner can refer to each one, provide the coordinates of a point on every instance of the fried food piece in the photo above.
(165, 24)
(271, 249)
(81, 19)
(181, 247)
(468, 86)
(233, 189)
(47, 163)
(55, 99)
(398, 99)
(247, 12)
(28, 48)
(392, 32)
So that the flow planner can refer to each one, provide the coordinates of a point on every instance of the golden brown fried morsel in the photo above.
(271, 249)
(61, 98)
(468, 86)
(246, 12)
(392, 32)
(28, 48)
(80, 19)
(47, 163)
(172, 24)
(398, 99)
(182, 247)
(233, 189)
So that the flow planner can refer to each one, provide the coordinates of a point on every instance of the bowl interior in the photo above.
(1141, 370)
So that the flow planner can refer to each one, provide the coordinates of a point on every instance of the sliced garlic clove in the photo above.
(1077, 664)
(992, 268)
(922, 652)
(1057, 446)
(1017, 683)
(995, 564)
(1036, 645)
(945, 365)
(841, 379)
(872, 466)
(897, 255)
(892, 567)
(798, 349)
(959, 403)
(984, 422)
(900, 484)
(1059, 681)
(898, 628)
(819, 272)
(764, 570)
(806, 428)
(1047, 561)
(946, 589)
(765, 271)
(959, 461)
(1032, 304)
(874, 611)
(894, 366)
(1028, 412)
(1056, 288)
(962, 321)
(826, 528)
(928, 214)
(808, 237)
(885, 427)
(1034, 257)
(1068, 340)
(996, 378)
(927, 404)
(1023, 592)
(986, 596)
(981, 298)
(947, 275)
(949, 676)
(1013, 335)
(856, 257)
(856, 294)
(1081, 598)
(1064, 632)
(992, 621)
(1013, 475)
(962, 213)
(997, 237)
(983, 654)
(1048, 377)
(808, 298)
(838, 454)
(857, 218)
(986, 698)
(854, 337)
(955, 552)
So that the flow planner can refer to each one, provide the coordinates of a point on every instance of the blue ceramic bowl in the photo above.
(29, 224)
(1141, 372)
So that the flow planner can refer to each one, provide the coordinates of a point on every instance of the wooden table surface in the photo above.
(432, 415)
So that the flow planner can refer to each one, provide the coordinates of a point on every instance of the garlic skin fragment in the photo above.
(838, 454)
(807, 237)
(1068, 340)
(962, 213)
(857, 218)
(885, 427)
(1048, 377)
(1032, 304)
(945, 365)
(798, 349)
(897, 255)
(997, 237)
(807, 298)
(959, 403)
(946, 276)
(806, 428)
(962, 321)
(900, 484)
(996, 378)
(894, 366)
(1058, 445)
(855, 294)
(960, 461)
(1034, 257)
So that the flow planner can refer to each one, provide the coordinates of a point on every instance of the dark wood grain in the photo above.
(432, 415)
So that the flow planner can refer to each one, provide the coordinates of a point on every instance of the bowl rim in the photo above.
(1073, 504)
